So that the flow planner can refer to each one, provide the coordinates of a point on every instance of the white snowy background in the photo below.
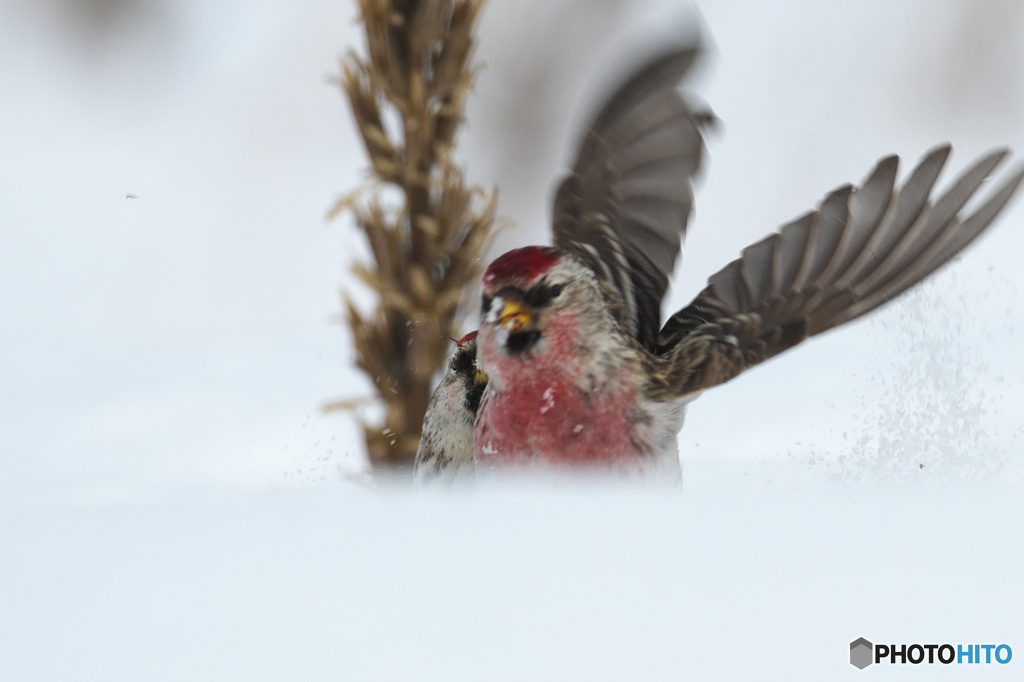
(174, 506)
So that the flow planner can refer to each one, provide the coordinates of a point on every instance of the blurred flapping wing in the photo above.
(624, 209)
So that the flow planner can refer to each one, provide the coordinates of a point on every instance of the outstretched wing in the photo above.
(624, 209)
(861, 248)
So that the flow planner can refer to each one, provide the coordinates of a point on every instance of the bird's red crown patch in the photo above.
(525, 263)
(466, 339)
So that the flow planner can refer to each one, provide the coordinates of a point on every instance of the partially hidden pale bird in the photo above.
(445, 453)
(580, 373)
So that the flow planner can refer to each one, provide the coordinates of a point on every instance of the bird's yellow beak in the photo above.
(480, 378)
(513, 317)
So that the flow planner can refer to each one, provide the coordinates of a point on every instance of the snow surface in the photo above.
(749, 572)
(173, 505)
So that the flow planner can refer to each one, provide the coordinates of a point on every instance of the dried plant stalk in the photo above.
(426, 250)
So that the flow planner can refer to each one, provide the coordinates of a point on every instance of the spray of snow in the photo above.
(932, 411)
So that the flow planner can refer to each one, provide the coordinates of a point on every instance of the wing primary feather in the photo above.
(867, 207)
(834, 216)
(978, 221)
(807, 257)
(759, 267)
(907, 207)
(728, 284)
(793, 240)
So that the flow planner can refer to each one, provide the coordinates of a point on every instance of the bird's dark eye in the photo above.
(541, 295)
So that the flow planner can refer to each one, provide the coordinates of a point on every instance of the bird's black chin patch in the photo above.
(521, 342)
(473, 395)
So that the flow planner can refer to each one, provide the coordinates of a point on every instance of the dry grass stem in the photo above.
(407, 98)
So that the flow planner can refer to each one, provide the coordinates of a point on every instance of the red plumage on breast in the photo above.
(550, 408)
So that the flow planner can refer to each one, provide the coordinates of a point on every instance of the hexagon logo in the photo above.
(861, 651)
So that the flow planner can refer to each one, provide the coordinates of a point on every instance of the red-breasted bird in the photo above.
(581, 373)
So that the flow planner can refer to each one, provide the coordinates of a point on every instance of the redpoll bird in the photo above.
(581, 372)
(445, 452)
